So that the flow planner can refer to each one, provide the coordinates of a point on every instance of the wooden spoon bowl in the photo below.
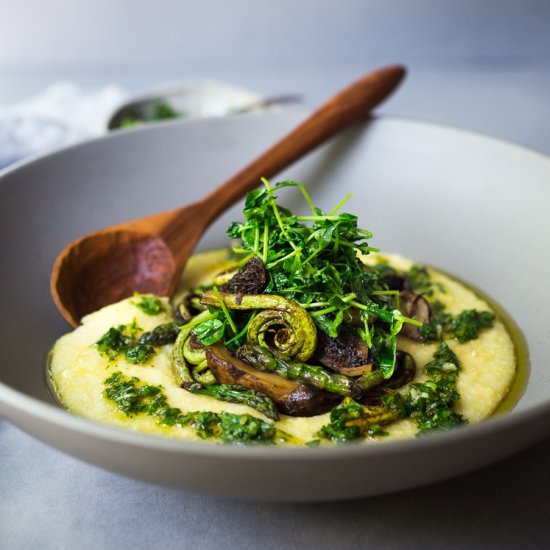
(147, 255)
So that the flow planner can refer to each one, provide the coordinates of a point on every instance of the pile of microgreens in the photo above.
(313, 260)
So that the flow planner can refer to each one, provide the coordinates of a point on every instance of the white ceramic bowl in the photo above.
(468, 204)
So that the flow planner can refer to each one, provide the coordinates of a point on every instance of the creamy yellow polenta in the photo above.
(77, 370)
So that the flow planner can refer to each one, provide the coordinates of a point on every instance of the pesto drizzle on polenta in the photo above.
(150, 305)
(122, 340)
(132, 397)
(430, 404)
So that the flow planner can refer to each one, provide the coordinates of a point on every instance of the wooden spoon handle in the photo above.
(350, 105)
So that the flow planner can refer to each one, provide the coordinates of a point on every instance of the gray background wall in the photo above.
(183, 35)
(479, 64)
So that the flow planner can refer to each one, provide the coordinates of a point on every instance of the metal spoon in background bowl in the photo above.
(148, 254)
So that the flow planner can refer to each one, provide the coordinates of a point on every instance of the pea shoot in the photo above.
(314, 260)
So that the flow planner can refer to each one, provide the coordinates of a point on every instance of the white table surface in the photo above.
(49, 500)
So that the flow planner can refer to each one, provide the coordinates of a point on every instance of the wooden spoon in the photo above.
(147, 255)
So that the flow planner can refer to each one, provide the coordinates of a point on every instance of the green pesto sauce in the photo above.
(132, 397)
(123, 341)
(150, 305)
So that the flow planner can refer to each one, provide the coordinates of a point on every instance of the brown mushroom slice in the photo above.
(416, 307)
(291, 398)
(251, 279)
(397, 281)
(347, 353)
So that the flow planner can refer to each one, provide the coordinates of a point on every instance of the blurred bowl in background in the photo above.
(193, 99)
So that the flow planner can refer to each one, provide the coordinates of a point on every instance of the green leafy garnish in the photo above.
(139, 354)
(210, 331)
(122, 340)
(467, 324)
(133, 397)
(419, 278)
(430, 404)
(160, 111)
(151, 305)
(351, 421)
(463, 327)
(312, 259)
(230, 428)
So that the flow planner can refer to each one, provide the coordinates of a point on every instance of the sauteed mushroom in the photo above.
(250, 279)
(347, 353)
(291, 397)
(417, 307)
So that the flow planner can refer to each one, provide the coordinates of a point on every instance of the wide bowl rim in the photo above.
(21, 402)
